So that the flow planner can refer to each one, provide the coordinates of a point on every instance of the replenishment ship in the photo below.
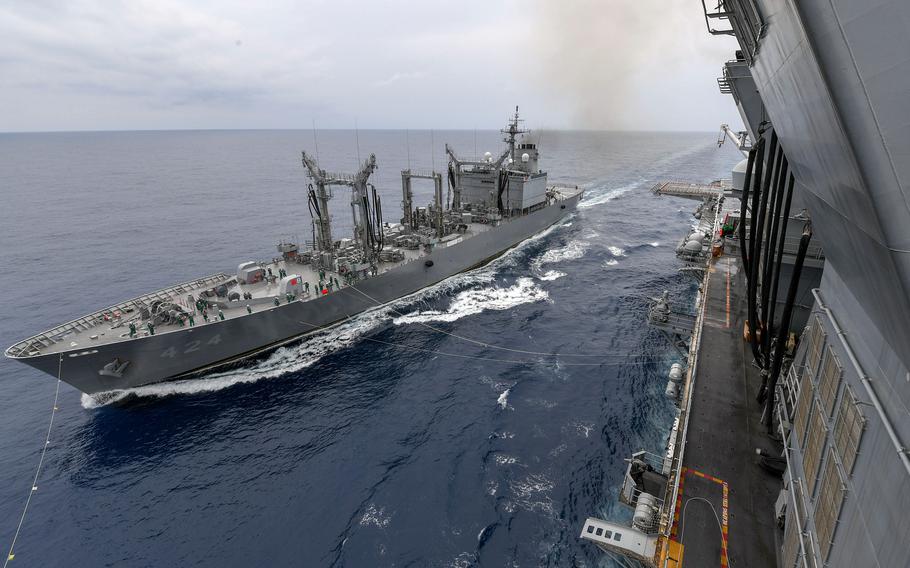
(492, 204)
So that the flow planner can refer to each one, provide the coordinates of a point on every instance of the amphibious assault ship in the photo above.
(791, 444)
(187, 329)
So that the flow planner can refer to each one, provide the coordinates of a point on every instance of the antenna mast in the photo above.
(513, 129)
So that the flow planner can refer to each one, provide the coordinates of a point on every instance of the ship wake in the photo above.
(298, 356)
(593, 199)
(477, 300)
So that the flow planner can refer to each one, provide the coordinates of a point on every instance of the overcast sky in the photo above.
(171, 64)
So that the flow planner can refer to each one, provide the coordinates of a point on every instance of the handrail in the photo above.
(786, 439)
(54, 334)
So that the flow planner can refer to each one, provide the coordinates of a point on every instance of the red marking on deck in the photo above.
(724, 518)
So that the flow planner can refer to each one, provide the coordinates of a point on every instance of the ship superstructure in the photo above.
(193, 327)
(791, 446)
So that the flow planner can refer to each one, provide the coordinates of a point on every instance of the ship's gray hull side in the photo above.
(166, 356)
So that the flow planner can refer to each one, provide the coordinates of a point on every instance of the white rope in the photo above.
(468, 339)
(720, 526)
(47, 442)
(462, 356)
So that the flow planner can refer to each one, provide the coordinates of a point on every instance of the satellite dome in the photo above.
(511, 160)
(525, 157)
(738, 175)
(487, 156)
(693, 246)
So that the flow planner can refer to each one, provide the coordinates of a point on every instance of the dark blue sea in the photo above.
(371, 444)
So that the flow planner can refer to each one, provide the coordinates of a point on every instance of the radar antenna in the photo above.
(514, 128)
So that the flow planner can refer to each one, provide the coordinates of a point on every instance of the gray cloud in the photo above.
(92, 64)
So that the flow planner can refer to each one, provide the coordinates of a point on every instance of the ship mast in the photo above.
(512, 131)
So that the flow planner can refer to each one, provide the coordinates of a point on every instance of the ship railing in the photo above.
(421, 174)
(34, 344)
(797, 491)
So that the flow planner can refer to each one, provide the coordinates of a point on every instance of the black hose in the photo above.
(377, 213)
(313, 200)
(758, 328)
(768, 416)
(780, 166)
(759, 198)
(775, 278)
(744, 252)
(452, 184)
(502, 187)
(367, 224)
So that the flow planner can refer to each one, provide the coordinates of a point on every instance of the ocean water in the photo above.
(380, 442)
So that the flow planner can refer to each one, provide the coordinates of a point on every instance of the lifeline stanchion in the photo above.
(47, 442)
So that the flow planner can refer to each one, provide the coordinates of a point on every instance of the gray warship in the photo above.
(190, 328)
(791, 444)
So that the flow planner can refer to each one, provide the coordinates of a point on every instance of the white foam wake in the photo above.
(571, 251)
(284, 360)
(340, 336)
(477, 300)
(616, 251)
(551, 275)
(503, 400)
(594, 199)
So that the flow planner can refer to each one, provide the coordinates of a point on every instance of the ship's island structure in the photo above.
(793, 387)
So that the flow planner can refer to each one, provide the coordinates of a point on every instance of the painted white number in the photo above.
(190, 347)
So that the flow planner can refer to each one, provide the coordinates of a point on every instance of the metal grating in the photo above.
(830, 499)
(801, 416)
(816, 343)
(814, 447)
(848, 429)
(829, 381)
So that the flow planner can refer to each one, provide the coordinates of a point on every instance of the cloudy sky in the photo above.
(177, 64)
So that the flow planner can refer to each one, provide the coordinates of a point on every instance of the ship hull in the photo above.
(191, 351)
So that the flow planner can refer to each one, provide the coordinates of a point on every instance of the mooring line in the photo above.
(493, 359)
(47, 442)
